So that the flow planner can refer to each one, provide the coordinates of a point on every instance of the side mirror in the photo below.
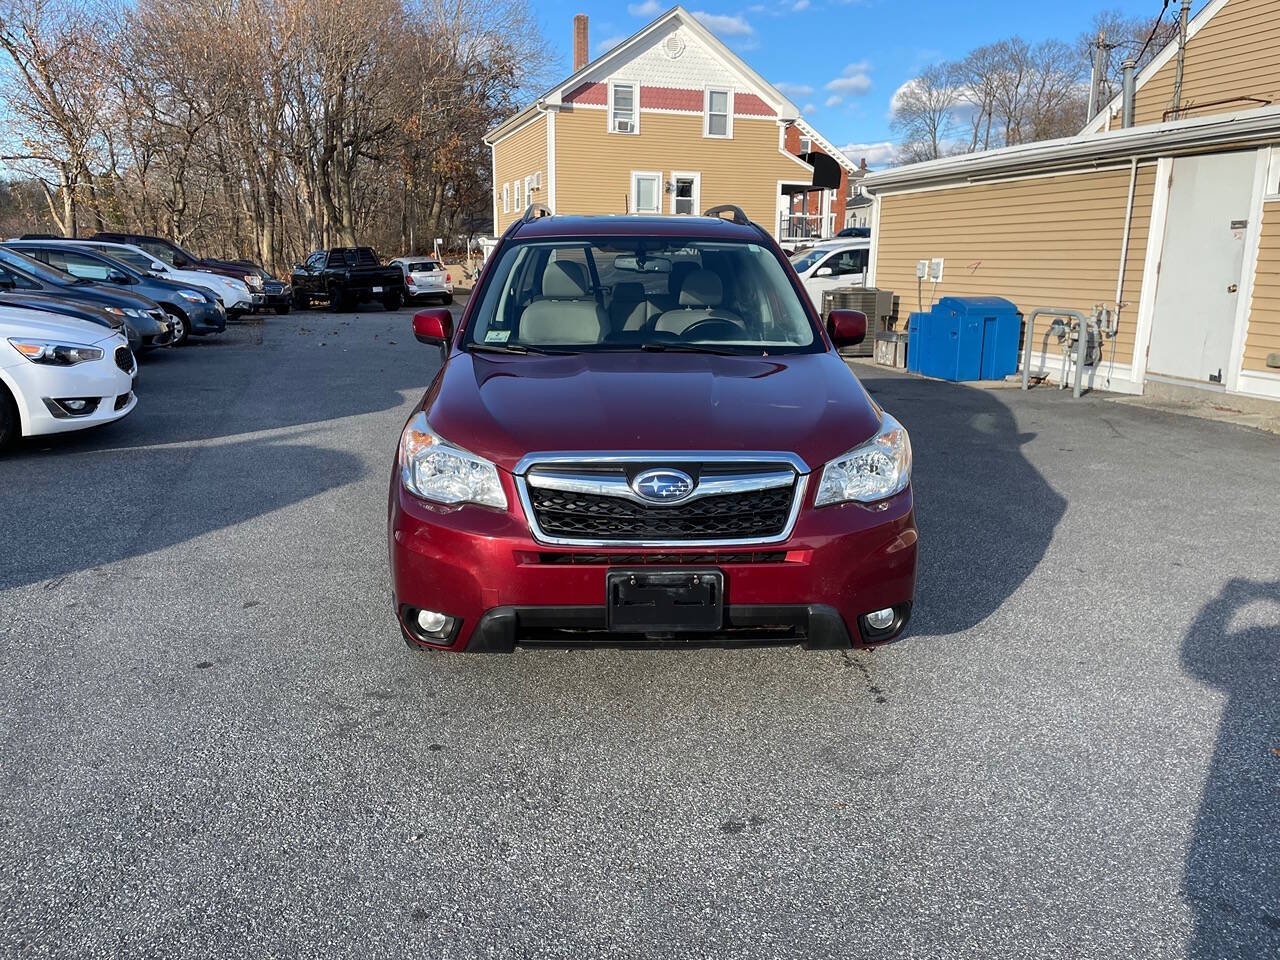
(847, 327)
(299, 268)
(115, 276)
(6, 283)
(180, 261)
(823, 272)
(433, 326)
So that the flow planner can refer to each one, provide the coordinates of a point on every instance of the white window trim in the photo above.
(635, 193)
(506, 198)
(515, 192)
(1272, 189)
(696, 177)
(706, 113)
(803, 141)
(635, 107)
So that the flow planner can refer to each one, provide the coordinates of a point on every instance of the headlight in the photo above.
(252, 280)
(878, 469)
(56, 354)
(434, 469)
(136, 313)
(117, 311)
(191, 295)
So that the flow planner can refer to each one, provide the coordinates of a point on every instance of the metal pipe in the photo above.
(1082, 352)
(1128, 92)
(1114, 326)
(1076, 315)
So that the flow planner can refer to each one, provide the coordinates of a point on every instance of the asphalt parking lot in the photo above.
(214, 743)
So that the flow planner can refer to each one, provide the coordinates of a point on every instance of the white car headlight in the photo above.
(434, 469)
(877, 469)
(54, 353)
(191, 295)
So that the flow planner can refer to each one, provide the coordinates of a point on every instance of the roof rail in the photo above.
(738, 215)
(535, 211)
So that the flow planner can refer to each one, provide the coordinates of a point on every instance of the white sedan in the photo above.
(233, 294)
(59, 374)
(425, 277)
(831, 264)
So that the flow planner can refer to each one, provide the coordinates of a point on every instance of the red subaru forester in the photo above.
(641, 434)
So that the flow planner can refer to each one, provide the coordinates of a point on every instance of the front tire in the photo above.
(391, 301)
(10, 425)
(281, 309)
(300, 301)
(447, 299)
(181, 329)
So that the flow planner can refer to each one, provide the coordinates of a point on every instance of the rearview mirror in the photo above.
(648, 265)
(847, 327)
(433, 326)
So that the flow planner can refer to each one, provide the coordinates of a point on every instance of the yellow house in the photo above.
(1172, 224)
(668, 121)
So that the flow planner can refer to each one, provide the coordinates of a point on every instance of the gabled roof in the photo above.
(835, 153)
(677, 14)
(1170, 50)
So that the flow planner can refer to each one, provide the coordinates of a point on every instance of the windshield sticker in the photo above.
(497, 336)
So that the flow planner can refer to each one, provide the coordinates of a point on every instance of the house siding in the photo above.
(1040, 242)
(594, 166)
(1235, 54)
(1263, 336)
(516, 156)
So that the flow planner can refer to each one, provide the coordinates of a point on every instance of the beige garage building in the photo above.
(1172, 224)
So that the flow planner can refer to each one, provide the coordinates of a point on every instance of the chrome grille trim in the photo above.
(797, 474)
(607, 486)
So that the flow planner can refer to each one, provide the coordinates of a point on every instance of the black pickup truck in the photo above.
(346, 276)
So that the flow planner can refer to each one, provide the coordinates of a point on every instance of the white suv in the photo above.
(59, 374)
(831, 264)
(425, 277)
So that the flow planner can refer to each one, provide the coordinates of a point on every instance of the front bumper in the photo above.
(205, 318)
(484, 568)
(38, 390)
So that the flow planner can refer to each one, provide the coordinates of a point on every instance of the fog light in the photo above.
(432, 622)
(880, 619)
(75, 406)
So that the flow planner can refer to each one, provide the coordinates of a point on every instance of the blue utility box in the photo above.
(965, 338)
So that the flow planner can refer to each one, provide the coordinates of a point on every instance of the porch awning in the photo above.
(826, 171)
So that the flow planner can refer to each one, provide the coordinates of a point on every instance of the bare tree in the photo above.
(923, 114)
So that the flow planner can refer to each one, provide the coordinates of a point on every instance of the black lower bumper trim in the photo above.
(816, 626)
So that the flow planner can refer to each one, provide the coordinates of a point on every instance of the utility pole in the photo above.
(1175, 109)
(1098, 72)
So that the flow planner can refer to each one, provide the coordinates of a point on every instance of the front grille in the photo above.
(662, 559)
(124, 359)
(755, 515)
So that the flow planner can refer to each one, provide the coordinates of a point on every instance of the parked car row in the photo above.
(345, 277)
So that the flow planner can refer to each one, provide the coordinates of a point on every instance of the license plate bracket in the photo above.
(665, 601)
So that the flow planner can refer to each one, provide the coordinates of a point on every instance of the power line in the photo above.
(1154, 27)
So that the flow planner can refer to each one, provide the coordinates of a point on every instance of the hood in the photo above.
(227, 268)
(61, 307)
(111, 296)
(17, 322)
(503, 407)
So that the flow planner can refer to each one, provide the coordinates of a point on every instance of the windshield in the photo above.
(805, 259)
(424, 266)
(139, 261)
(628, 293)
(35, 268)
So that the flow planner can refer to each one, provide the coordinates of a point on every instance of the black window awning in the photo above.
(826, 170)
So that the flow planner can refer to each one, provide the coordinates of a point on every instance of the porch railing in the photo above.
(806, 226)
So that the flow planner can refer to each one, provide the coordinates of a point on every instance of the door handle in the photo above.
(1232, 287)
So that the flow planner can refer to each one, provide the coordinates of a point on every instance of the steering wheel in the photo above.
(724, 328)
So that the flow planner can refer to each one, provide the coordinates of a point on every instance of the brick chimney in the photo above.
(580, 47)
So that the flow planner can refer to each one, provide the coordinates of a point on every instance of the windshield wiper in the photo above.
(518, 348)
(660, 347)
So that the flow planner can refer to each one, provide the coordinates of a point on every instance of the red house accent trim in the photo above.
(589, 93)
(749, 105)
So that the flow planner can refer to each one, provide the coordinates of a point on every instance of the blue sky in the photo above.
(842, 60)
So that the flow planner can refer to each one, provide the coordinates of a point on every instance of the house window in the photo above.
(646, 192)
(515, 190)
(718, 113)
(686, 188)
(506, 198)
(806, 145)
(623, 100)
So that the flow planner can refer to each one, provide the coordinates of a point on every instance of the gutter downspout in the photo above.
(1124, 246)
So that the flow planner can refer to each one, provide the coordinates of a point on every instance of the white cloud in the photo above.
(800, 5)
(876, 154)
(853, 81)
(648, 8)
(729, 25)
(607, 44)
(794, 89)
(834, 100)
(810, 109)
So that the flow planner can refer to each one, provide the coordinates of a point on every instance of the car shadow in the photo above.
(986, 516)
(146, 499)
(1232, 879)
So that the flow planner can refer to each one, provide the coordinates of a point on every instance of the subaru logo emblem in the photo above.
(663, 485)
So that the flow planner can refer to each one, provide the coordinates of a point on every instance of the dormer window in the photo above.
(718, 113)
(624, 100)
